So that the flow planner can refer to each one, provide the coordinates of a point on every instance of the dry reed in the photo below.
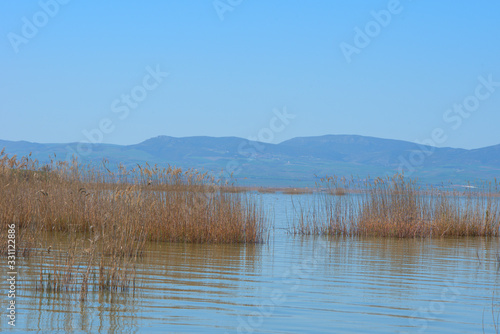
(264, 190)
(111, 215)
(399, 207)
(296, 191)
(126, 208)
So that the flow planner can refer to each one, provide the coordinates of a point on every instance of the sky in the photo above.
(121, 72)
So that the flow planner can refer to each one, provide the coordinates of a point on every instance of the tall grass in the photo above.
(125, 208)
(399, 207)
(112, 214)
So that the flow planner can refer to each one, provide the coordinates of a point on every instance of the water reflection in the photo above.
(177, 285)
(292, 284)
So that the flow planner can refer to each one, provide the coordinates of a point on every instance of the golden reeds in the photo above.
(296, 191)
(159, 204)
(399, 207)
(112, 214)
(266, 190)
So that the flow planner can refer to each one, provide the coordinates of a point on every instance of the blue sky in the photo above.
(66, 67)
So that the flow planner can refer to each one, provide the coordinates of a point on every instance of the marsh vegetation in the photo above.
(399, 207)
(109, 216)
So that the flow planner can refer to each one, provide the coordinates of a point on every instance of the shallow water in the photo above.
(291, 284)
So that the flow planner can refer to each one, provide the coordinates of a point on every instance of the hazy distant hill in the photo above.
(290, 163)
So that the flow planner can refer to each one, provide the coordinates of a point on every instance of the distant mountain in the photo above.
(486, 156)
(294, 162)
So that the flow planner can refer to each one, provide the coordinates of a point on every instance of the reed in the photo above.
(266, 190)
(127, 208)
(297, 191)
(338, 192)
(109, 216)
(399, 207)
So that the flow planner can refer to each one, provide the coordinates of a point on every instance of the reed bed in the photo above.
(399, 207)
(78, 269)
(111, 215)
(297, 191)
(125, 208)
(266, 190)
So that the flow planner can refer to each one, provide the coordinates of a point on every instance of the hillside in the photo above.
(291, 163)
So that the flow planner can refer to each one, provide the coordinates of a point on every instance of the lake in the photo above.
(291, 284)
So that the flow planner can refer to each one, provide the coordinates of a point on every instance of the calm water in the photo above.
(291, 284)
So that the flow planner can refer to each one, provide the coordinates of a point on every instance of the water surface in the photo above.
(289, 285)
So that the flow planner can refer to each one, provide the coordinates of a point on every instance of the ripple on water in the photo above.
(292, 284)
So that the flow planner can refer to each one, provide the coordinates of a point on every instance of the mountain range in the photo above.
(296, 162)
